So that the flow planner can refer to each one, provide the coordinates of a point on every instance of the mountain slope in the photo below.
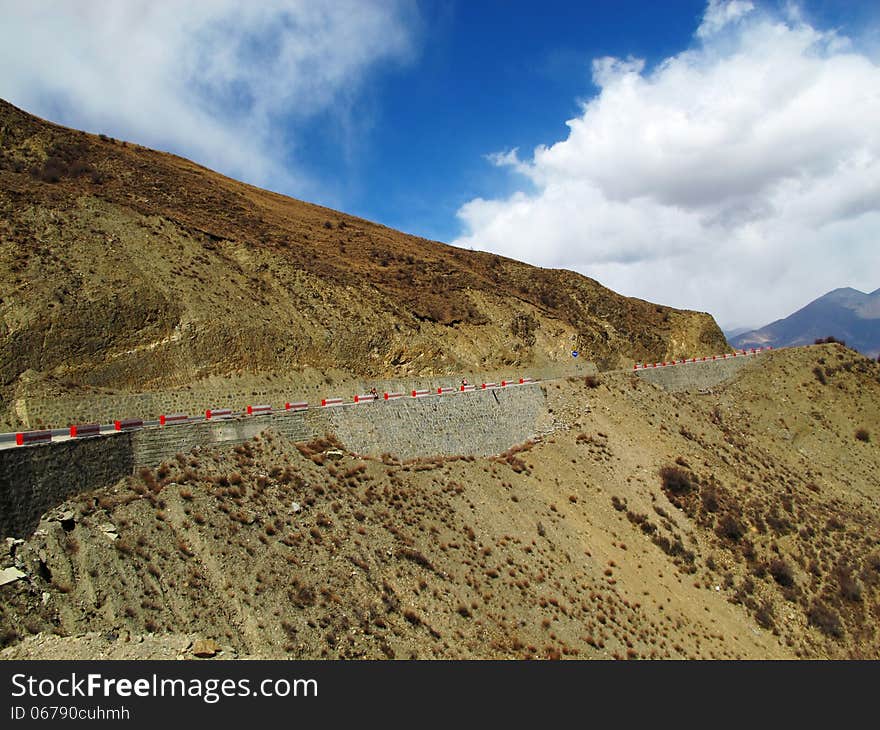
(126, 268)
(846, 314)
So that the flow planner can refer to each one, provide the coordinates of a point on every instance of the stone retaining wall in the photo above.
(36, 478)
(697, 375)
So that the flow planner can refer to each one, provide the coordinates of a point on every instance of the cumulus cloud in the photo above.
(222, 81)
(739, 177)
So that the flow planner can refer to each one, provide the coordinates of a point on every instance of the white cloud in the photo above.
(740, 177)
(221, 81)
(721, 13)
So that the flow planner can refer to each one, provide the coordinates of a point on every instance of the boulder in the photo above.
(10, 575)
(205, 648)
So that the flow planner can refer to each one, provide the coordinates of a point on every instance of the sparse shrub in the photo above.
(123, 547)
(415, 556)
(188, 475)
(779, 524)
(781, 572)
(825, 618)
(8, 636)
(764, 615)
(149, 479)
(53, 169)
(78, 168)
(676, 480)
(323, 520)
(592, 381)
(730, 527)
(301, 595)
(710, 499)
(820, 375)
(849, 586)
(863, 434)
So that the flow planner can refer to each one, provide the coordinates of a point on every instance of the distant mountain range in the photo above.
(845, 314)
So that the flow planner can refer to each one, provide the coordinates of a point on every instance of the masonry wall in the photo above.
(478, 423)
(696, 376)
(35, 478)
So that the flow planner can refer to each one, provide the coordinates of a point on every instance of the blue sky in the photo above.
(489, 75)
(722, 157)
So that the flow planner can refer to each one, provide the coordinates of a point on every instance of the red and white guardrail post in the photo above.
(33, 437)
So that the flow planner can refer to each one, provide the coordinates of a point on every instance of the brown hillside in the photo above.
(126, 268)
(737, 523)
